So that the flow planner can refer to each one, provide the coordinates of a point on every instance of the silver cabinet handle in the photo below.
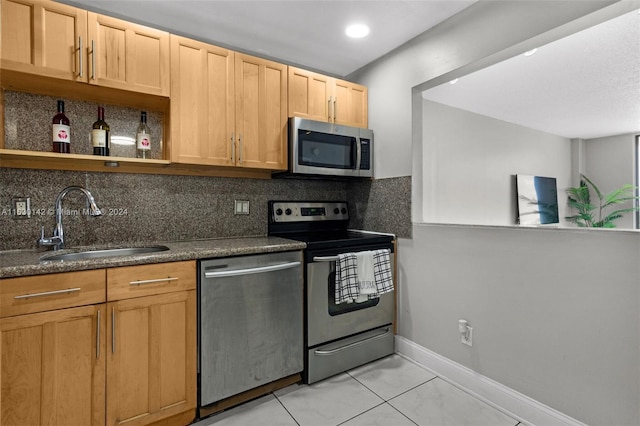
(93, 60)
(98, 336)
(335, 112)
(48, 293)
(240, 149)
(329, 109)
(325, 258)
(80, 61)
(113, 330)
(248, 271)
(158, 280)
(351, 345)
(233, 149)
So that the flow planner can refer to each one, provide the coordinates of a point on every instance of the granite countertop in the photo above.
(17, 263)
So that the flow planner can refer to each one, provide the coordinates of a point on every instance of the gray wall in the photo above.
(470, 161)
(555, 313)
(610, 163)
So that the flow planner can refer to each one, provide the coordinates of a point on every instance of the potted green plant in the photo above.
(591, 215)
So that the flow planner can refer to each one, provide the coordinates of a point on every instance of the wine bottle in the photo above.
(61, 131)
(143, 137)
(100, 135)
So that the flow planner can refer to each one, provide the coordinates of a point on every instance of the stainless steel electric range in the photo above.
(342, 336)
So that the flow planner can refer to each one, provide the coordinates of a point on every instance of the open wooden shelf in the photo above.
(21, 159)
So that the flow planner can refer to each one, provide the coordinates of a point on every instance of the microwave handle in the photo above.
(358, 154)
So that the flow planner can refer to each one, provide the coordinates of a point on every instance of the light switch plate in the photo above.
(241, 207)
(21, 207)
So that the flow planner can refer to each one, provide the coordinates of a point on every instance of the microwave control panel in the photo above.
(365, 150)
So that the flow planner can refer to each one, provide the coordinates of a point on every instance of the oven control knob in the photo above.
(336, 210)
(344, 210)
(288, 212)
(279, 212)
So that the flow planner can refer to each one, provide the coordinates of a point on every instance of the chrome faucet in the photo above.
(57, 240)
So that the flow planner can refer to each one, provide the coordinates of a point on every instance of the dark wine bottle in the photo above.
(61, 131)
(100, 135)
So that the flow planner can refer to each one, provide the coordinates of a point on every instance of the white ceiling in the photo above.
(586, 85)
(307, 33)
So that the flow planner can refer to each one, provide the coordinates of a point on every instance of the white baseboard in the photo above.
(507, 400)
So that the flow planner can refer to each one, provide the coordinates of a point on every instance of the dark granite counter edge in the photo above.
(20, 263)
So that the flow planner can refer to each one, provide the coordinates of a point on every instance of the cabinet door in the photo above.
(350, 104)
(309, 94)
(44, 37)
(151, 371)
(127, 56)
(202, 127)
(261, 113)
(53, 367)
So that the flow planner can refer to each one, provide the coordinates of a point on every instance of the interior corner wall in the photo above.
(470, 160)
(610, 162)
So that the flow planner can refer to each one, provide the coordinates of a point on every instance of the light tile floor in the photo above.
(392, 391)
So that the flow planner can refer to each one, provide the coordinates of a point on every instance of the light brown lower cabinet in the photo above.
(129, 358)
(151, 367)
(53, 367)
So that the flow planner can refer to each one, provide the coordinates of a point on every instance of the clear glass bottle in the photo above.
(143, 138)
(100, 135)
(61, 131)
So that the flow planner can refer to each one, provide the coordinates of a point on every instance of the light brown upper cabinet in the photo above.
(227, 108)
(43, 37)
(50, 39)
(324, 98)
(127, 56)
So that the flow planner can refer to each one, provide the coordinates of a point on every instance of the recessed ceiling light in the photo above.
(357, 30)
(530, 52)
(454, 81)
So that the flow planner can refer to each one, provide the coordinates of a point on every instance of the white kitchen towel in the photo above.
(366, 278)
(346, 286)
(348, 277)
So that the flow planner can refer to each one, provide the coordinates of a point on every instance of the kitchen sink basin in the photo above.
(96, 254)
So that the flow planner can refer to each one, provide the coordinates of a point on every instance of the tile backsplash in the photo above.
(142, 208)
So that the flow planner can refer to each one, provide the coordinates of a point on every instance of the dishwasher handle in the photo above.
(249, 271)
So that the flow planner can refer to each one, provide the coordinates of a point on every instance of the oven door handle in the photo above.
(351, 345)
(325, 258)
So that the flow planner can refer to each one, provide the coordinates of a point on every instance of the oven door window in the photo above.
(344, 308)
(326, 150)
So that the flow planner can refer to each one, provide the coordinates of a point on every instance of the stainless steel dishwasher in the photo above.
(251, 322)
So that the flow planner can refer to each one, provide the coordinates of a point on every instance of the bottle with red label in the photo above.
(143, 137)
(61, 131)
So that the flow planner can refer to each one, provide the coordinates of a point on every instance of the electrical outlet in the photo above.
(467, 338)
(21, 207)
(241, 207)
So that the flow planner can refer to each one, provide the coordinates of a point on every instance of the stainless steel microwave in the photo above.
(329, 150)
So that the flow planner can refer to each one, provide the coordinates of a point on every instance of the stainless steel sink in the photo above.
(95, 254)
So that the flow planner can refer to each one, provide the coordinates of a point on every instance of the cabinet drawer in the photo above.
(147, 280)
(39, 293)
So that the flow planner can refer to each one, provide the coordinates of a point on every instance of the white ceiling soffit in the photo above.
(586, 85)
(308, 33)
